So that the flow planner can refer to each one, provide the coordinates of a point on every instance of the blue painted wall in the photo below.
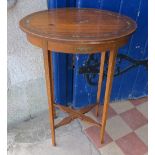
(77, 86)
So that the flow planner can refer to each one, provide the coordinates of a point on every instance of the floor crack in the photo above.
(90, 143)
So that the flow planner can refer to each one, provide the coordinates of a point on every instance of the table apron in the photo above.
(73, 48)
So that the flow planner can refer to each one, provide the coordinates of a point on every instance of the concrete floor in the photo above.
(126, 133)
(32, 137)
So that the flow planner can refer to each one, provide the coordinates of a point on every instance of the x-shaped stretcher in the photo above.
(73, 114)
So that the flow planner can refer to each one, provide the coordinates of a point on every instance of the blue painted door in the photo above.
(62, 64)
(77, 81)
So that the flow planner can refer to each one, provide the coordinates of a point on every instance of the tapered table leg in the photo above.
(49, 86)
(100, 80)
(111, 66)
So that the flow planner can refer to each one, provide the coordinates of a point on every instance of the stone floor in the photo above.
(126, 133)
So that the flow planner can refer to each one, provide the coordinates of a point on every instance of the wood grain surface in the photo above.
(78, 25)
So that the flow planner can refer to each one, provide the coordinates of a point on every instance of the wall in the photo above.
(26, 84)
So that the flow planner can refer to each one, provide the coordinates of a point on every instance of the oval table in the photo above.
(78, 31)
